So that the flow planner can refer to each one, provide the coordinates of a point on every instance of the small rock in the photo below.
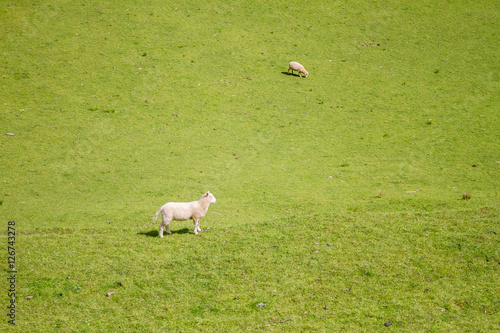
(261, 304)
(326, 307)
(69, 277)
(10, 134)
(120, 284)
(316, 251)
(388, 324)
(110, 293)
(29, 297)
(275, 246)
(329, 244)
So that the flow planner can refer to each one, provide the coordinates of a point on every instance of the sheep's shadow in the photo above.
(154, 233)
(288, 73)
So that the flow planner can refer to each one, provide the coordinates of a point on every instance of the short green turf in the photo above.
(362, 198)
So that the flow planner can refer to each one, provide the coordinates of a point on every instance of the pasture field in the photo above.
(362, 198)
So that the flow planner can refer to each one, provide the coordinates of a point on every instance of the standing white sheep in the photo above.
(181, 211)
(293, 65)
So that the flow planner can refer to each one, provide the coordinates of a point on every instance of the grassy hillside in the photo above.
(340, 196)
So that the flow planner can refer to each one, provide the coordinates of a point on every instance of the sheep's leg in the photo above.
(165, 221)
(167, 228)
(160, 231)
(196, 223)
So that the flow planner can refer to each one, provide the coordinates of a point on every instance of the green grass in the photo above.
(118, 107)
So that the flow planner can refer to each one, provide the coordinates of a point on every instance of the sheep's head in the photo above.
(210, 196)
(306, 73)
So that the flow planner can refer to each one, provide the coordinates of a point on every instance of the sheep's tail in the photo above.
(156, 215)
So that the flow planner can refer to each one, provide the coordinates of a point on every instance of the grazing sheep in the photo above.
(293, 65)
(184, 211)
